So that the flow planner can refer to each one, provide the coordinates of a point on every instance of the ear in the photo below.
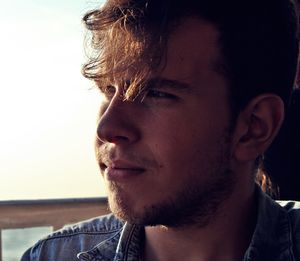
(257, 125)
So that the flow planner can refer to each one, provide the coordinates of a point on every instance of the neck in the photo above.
(226, 237)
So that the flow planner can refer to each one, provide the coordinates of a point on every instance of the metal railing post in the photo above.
(0, 244)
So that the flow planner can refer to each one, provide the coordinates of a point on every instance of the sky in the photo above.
(47, 109)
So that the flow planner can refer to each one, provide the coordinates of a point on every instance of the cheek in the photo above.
(186, 137)
(175, 146)
(181, 144)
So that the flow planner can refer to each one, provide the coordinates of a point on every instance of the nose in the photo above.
(118, 123)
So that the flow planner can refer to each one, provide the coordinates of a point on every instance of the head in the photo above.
(163, 145)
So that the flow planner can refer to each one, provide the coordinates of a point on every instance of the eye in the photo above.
(157, 94)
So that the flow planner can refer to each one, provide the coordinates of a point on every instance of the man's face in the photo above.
(165, 159)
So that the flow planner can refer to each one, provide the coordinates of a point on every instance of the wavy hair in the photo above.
(126, 45)
(258, 41)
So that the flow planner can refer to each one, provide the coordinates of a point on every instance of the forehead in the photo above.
(191, 57)
(192, 50)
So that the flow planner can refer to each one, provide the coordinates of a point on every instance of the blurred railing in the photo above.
(54, 213)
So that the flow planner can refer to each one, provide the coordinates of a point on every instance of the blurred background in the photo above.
(47, 122)
(47, 109)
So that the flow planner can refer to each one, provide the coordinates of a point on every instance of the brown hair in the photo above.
(126, 39)
(259, 42)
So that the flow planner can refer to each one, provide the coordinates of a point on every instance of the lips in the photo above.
(119, 170)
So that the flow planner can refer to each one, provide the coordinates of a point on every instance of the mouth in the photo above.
(120, 171)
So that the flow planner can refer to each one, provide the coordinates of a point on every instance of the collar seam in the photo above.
(128, 241)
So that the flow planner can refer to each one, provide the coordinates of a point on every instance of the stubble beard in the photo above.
(194, 204)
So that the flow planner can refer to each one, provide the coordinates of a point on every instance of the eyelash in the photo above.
(153, 93)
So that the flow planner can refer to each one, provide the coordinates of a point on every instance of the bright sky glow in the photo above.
(47, 112)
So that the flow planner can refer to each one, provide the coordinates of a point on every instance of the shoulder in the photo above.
(101, 226)
(292, 208)
(67, 242)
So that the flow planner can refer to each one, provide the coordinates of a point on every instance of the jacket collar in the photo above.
(272, 238)
(124, 245)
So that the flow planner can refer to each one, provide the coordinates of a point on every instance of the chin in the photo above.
(168, 213)
(124, 208)
(192, 205)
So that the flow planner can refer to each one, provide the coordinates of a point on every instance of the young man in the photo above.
(194, 93)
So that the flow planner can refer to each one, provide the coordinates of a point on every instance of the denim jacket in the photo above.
(276, 238)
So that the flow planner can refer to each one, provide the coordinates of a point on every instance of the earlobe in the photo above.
(257, 125)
